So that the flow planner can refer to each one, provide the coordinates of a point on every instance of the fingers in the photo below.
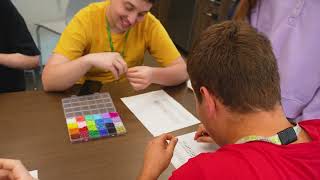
(15, 167)
(137, 80)
(170, 141)
(120, 64)
(167, 136)
(9, 164)
(135, 74)
(119, 67)
(197, 135)
(202, 135)
(124, 64)
(201, 131)
(140, 77)
(172, 144)
(133, 69)
(5, 174)
(205, 139)
(114, 72)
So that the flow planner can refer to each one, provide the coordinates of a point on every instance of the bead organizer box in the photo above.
(91, 117)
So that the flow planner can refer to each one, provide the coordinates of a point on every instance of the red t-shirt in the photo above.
(258, 160)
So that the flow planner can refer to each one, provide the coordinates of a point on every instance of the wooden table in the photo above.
(33, 129)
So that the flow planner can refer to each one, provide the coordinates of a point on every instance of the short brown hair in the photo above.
(236, 63)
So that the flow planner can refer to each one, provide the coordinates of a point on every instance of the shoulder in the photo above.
(219, 164)
(7, 9)
(311, 122)
(312, 127)
(151, 19)
(229, 162)
(88, 17)
(4, 4)
(149, 22)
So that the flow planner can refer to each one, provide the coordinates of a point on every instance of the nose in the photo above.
(132, 18)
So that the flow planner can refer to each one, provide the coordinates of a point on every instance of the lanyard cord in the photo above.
(284, 137)
(110, 39)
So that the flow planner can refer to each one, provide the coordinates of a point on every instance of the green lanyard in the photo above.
(275, 139)
(110, 39)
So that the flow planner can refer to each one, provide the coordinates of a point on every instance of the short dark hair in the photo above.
(236, 64)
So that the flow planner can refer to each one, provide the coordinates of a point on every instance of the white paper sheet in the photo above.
(187, 148)
(34, 174)
(159, 112)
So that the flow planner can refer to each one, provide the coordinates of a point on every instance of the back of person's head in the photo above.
(236, 64)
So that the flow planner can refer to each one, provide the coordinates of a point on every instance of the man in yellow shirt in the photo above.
(107, 41)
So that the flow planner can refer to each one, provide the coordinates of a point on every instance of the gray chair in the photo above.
(56, 27)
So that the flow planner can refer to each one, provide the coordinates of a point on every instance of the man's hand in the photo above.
(140, 77)
(202, 135)
(157, 156)
(108, 61)
(13, 170)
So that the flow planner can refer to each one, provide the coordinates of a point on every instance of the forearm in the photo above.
(19, 61)
(171, 75)
(59, 77)
(146, 175)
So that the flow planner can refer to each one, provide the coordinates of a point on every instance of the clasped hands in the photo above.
(140, 77)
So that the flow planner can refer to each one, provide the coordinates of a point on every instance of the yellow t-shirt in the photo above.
(87, 33)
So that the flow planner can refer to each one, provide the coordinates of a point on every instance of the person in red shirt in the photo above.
(235, 78)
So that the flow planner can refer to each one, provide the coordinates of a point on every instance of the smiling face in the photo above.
(124, 14)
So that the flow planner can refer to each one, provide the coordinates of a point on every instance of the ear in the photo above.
(208, 100)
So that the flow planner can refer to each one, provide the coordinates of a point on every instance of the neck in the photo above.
(258, 123)
(112, 24)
